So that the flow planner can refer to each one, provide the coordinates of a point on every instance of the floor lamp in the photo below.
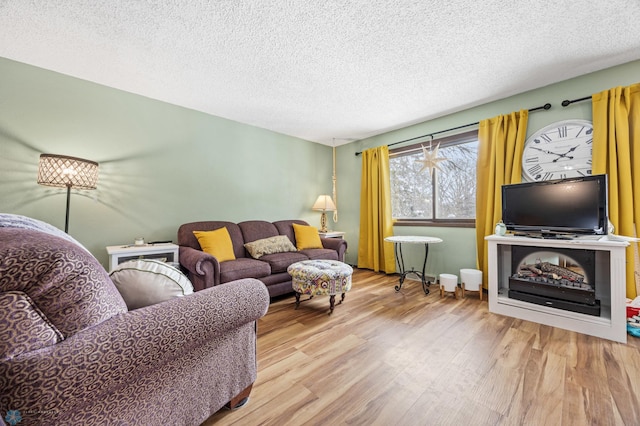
(67, 172)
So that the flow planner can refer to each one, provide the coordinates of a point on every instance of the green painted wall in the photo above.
(458, 248)
(160, 165)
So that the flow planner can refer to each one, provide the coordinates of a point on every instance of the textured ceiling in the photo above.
(322, 70)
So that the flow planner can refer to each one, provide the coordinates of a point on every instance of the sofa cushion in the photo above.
(187, 238)
(326, 254)
(243, 268)
(279, 262)
(279, 244)
(217, 243)
(307, 237)
(285, 227)
(253, 230)
(145, 282)
(68, 284)
(24, 327)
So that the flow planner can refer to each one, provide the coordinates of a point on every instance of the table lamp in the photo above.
(324, 203)
(69, 172)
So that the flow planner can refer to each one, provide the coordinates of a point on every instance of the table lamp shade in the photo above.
(324, 203)
(65, 171)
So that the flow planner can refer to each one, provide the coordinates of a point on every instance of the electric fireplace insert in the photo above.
(556, 277)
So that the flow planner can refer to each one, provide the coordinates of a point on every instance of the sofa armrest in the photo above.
(337, 244)
(128, 348)
(202, 268)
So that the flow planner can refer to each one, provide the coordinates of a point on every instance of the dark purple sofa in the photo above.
(71, 353)
(205, 271)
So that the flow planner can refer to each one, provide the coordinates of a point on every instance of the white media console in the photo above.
(610, 286)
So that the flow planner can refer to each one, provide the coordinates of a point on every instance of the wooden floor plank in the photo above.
(385, 357)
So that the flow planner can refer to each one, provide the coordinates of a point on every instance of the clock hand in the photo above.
(547, 152)
(565, 154)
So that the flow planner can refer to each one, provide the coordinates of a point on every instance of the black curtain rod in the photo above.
(545, 106)
(567, 102)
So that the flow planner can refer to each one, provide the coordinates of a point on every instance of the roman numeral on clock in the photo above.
(535, 169)
(562, 131)
(545, 137)
(531, 160)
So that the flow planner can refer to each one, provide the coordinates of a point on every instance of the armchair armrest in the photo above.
(103, 360)
(202, 268)
(337, 244)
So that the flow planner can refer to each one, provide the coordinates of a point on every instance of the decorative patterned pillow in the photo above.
(307, 237)
(217, 243)
(279, 244)
(145, 282)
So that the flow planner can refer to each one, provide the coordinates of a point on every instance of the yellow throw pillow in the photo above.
(306, 237)
(217, 243)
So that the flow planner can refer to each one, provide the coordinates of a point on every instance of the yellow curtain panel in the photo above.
(376, 222)
(501, 142)
(616, 135)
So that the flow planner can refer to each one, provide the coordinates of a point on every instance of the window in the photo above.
(448, 197)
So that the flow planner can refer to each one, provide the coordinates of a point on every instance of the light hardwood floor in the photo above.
(405, 358)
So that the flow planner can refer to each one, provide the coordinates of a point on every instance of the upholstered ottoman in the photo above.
(320, 277)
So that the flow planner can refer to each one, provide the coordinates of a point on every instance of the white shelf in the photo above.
(166, 252)
(610, 287)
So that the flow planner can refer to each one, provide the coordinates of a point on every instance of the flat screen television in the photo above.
(557, 208)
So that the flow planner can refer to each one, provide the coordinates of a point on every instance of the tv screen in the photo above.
(563, 206)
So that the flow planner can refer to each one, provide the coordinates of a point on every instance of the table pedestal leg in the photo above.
(404, 273)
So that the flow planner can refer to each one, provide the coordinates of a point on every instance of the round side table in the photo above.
(398, 241)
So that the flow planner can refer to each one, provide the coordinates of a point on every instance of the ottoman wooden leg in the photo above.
(297, 300)
(332, 302)
(342, 299)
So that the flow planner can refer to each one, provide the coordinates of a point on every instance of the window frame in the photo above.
(452, 140)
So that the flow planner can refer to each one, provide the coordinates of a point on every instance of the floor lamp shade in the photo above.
(64, 171)
(67, 172)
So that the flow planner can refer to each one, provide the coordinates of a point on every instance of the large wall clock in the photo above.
(559, 150)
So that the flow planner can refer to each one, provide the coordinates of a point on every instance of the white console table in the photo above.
(610, 287)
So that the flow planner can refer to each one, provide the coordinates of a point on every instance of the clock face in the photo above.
(559, 150)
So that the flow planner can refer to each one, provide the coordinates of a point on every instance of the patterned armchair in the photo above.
(71, 353)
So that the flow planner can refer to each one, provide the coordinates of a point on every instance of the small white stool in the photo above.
(471, 280)
(449, 284)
